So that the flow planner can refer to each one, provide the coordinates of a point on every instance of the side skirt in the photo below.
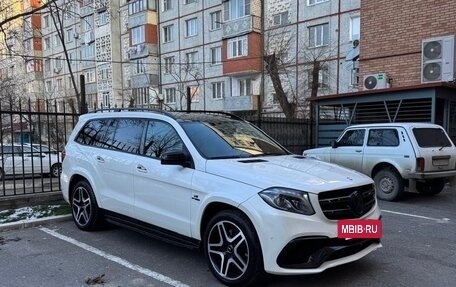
(151, 230)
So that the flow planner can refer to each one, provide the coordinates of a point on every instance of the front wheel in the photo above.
(430, 187)
(232, 249)
(86, 214)
(389, 184)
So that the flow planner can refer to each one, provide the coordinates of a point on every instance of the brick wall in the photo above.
(392, 32)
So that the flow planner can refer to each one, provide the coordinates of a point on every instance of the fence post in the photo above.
(83, 107)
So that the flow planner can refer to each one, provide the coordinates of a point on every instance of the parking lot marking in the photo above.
(441, 220)
(116, 259)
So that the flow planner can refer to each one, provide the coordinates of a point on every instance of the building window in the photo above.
(138, 35)
(245, 87)
(140, 96)
(168, 33)
(192, 59)
(218, 90)
(139, 67)
(194, 93)
(237, 47)
(47, 65)
(236, 9)
(216, 20)
(137, 6)
(355, 28)
(313, 2)
(216, 55)
(191, 27)
(92, 100)
(59, 85)
(323, 78)
(170, 96)
(88, 51)
(106, 99)
(58, 63)
(169, 64)
(319, 35)
(48, 86)
(46, 21)
(57, 42)
(69, 35)
(167, 5)
(90, 76)
(88, 23)
(47, 43)
(103, 18)
(104, 72)
(280, 19)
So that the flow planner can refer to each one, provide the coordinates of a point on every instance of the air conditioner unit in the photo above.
(57, 70)
(438, 59)
(376, 81)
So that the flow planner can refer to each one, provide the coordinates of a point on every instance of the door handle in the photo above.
(100, 159)
(141, 168)
(358, 150)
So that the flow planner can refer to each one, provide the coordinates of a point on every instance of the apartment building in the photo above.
(12, 82)
(304, 34)
(210, 54)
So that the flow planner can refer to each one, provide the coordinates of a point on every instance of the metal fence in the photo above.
(33, 135)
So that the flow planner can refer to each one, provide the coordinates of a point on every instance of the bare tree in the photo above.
(188, 78)
(281, 61)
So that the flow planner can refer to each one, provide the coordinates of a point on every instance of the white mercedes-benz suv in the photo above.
(213, 181)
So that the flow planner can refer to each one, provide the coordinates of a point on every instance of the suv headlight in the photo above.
(287, 199)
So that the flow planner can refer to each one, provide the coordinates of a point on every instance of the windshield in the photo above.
(226, 138)
(431, 137)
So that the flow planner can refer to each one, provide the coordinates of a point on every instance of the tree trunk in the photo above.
(289, 109)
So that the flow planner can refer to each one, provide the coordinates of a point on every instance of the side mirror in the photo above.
(175, 158)
(333, 144)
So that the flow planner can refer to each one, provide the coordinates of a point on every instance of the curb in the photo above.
(34, 222)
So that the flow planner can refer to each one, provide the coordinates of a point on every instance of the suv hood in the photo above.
(290, 171)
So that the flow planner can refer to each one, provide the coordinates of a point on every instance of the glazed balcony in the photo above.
(241, 26)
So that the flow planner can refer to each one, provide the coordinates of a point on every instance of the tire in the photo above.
(232, 249)
(86, 213)
(430, 187)
(56, 169)
(389, 185)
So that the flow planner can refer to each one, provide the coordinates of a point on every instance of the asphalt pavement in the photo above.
(419, 249)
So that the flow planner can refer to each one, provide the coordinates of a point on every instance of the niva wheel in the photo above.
(232, 249)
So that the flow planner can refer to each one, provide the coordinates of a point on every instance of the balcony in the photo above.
(143, 81)
(241, 26)
(86, 10)
(142, 18)
(141, 51)
(241, 103)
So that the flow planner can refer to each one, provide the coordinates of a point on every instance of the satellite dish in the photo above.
(370, 82)
(432, 71)
(432, 50)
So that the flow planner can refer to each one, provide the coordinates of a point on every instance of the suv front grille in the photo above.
(347, 203)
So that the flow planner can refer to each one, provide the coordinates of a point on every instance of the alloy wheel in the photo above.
(82, 206)
(228, 250)
(386, 185)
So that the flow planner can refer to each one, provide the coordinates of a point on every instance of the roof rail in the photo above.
(132, 110)
(230, 115)
(167, 113)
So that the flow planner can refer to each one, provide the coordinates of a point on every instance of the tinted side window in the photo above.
(93, 133)
(352, 138)
(127, 136)
(431, 137)
(383, 137)
(161, 138)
